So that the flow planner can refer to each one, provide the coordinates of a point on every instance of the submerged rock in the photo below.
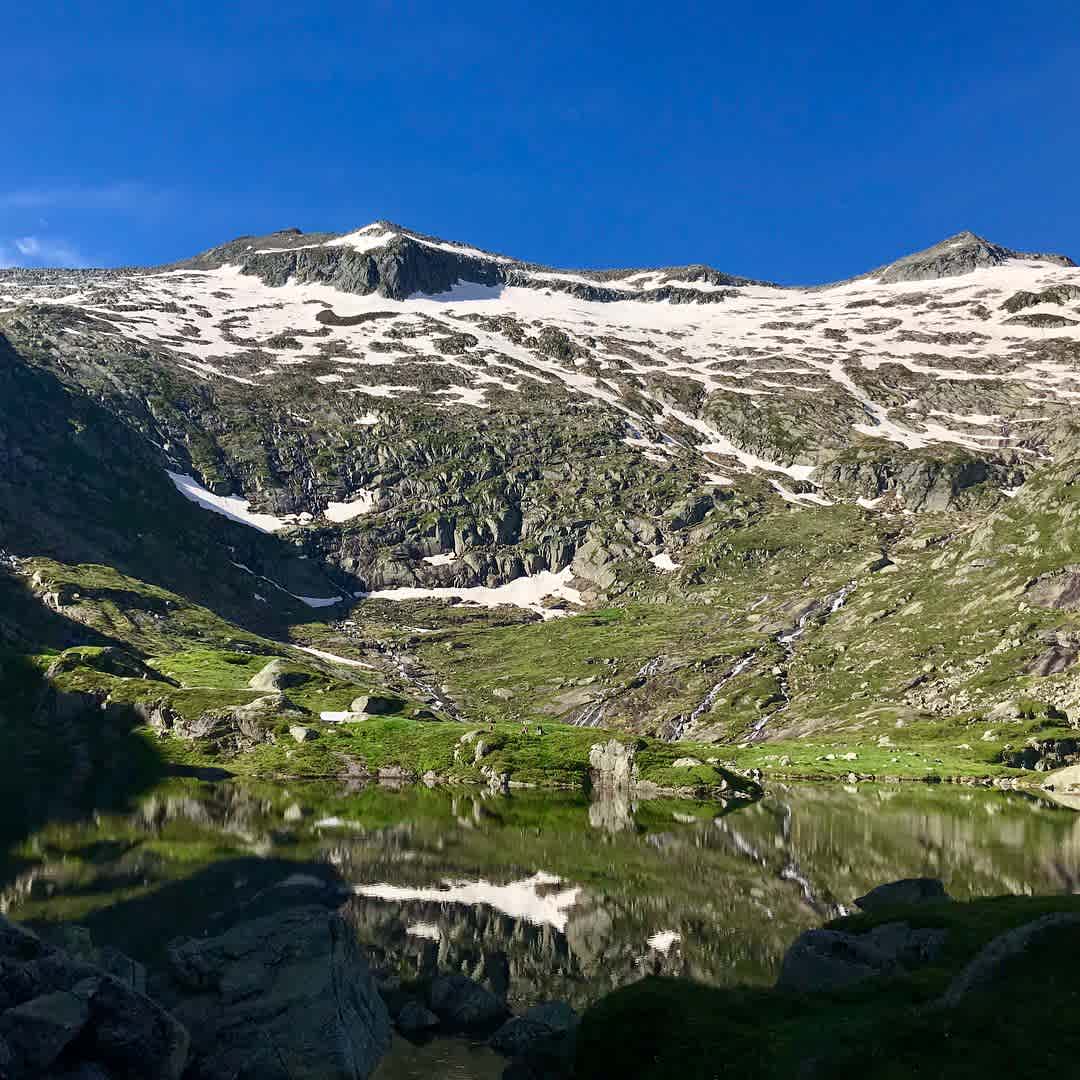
(536, 1031)
(415, 1019)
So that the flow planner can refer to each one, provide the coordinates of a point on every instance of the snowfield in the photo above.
(884, 359)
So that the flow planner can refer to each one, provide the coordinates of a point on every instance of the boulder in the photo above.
(1059, 589)
(376, 705)
(536, 1030)
(988, 971)
(415, 1019)
(464, 1005)
(287, 994)
(303, 734)
(38, 1031)
(825, 960)
(685, 763)
(612, 764)
(279, 675)
(53, 1003)
(905, 891)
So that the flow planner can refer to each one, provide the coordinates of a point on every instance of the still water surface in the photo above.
(544, 895)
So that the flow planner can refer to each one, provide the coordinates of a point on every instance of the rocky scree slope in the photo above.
(773, 486)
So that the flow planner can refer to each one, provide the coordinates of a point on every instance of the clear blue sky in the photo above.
(798, 141)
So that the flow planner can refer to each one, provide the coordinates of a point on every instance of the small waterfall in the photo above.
(786, 640)
(838, 600)
(650, 668)
(709, 699)
(591, 716)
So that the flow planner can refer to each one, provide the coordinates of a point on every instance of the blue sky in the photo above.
(794, 141)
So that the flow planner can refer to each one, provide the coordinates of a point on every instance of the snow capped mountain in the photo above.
(382, 425)
(965, 345)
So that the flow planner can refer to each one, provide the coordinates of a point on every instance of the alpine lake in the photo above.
(541, 895)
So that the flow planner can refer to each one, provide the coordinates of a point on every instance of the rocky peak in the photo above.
(396, 262)
(959, 254)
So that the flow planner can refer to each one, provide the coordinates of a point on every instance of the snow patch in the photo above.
(523, 592)
(346, 511)
(230, 506)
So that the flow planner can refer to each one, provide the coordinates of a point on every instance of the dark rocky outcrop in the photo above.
(821, 960)
(464, 1005)
(60, 1014)
(990, 966)
(907, 891)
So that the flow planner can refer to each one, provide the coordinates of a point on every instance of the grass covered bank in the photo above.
(403, 748)
(1024, 1023)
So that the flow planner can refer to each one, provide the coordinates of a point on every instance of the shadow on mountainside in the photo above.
(64, 755)
(80, 486)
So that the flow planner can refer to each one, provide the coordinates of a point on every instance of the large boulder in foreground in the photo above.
(989, 970)
(60, 1014)
(287, 997)
(824, 960)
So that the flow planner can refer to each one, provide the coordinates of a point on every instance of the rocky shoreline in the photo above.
(279, 988)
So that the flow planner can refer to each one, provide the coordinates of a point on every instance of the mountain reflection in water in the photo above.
(541, 895)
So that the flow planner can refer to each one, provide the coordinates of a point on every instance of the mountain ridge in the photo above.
(674, 506)
(966, 251)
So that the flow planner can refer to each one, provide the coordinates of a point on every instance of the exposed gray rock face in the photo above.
(59, 1014)
(397, 263)
(229, 731)
(1057, 294)
(921, 483)
(990, 967)
(612, 764)
(1041, 320)
(907, 891)
(287, 995)
(959, 254)
(464, 1005)
(821, 960)
(1059, 590)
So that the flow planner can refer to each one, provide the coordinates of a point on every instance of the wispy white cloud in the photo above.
(124, 196)
(40, 251)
